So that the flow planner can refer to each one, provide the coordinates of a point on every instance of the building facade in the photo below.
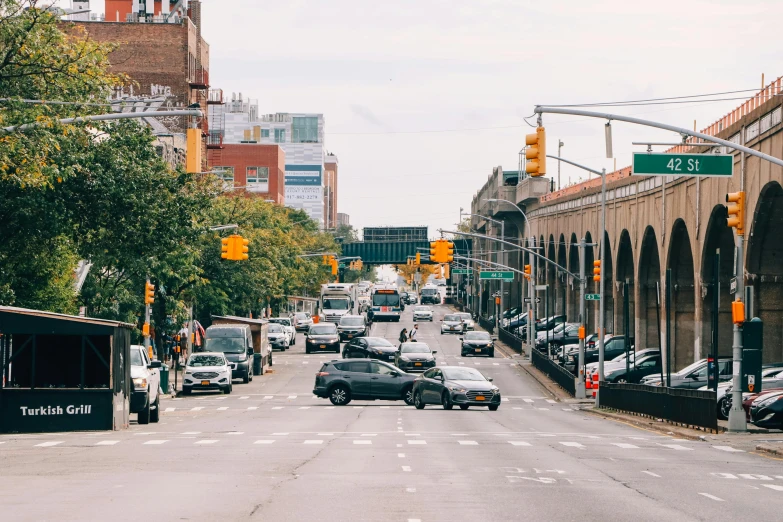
(343, 219)
(253, 167)
(301, 136)
(330, 190)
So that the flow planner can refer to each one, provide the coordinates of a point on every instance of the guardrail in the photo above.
(510, 339)
(685, 406)
(557, 373)
(487, 325)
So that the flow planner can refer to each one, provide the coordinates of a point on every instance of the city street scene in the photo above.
(419, 261)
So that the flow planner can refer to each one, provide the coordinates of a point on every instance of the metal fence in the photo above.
(487, 325)
(691, 407)
(555, 372)
(510, 339)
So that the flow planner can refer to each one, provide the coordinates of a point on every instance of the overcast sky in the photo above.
(423, 98)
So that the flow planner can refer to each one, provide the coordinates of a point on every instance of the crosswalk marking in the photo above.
(278, 407)
(292, 396)
(107, 443)
(197, 408)
(468, 442)
(776, 487)
(625, 445)
(252, 407)
(712, 497)
(156, 442)
(317, 441)
(304, 407)
(244, 397)
(264, 441)
(280, 434)
(191, 433)
(236, 433)
(729, 449)
(223, 408)
(414, 441)
(529, 401)
(676, 447)
(362, 441)
(573, 445)
(48, 444)
(169, 409)
(206, 441)
(518, 443)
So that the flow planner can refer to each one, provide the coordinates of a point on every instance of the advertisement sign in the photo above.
(300, 194)
(303, 175)
(35, 411)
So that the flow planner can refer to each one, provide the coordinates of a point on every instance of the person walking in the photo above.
(413, 337)
(404, 336)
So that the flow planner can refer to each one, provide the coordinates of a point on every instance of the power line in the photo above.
(596, 104)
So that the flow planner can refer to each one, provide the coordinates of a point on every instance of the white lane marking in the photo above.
(478, 364)
(325, 434)
(278, 407)
(107, 443)
(244, 397)
(316, 441)
(572, 445)
(651, 474)
(223, 408)
(459, 434)
(406, 468)
(543, 409)
(518, 443)
(399, 445)
(773, 486)
(729, 449)
(625, 445)
(712, 497)
(292, 396)
(410, 490)
(305, 362)
(412, 434)
(362, 441)
(197, 408)
(401, 455)
(156, 442)
(252, 407)
(280, 434)
(221, 398)
(329, 408)
(567, 409)
(550, 401)
(358, 407)
(529, 401)
(676, 447)
(496, 364)
(191, 433)
(264, 441)
(169, 409)
(468, 442)
(414, 520)
(517, 408)
(49, 444)
(235, 433)
(462, 362)
(414, 441)
(206, 441)
(384, 407)
(304, 407)
(753, 476)
(266, 397)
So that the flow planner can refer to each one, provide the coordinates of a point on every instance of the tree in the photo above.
(408, 271)
(464, 225)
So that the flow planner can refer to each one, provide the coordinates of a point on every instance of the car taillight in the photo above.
(322, 374)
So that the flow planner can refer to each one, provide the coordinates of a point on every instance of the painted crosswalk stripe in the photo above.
(197, 408)
(191, 433)
(223, 408)
(362, 441)
(48, 444)
(314, 441)
(518, 443)
(206, 441)
(280, 434)
(107, 443)
(776, 487)
(712, 497)
(625, 445)
(651, 474)
(235, 433)
(264, 441)
(252, 407)
(278, 407)
(676, 447)
(244, 397)
(304, 407)
(156, 442)
(729, 449)
(572, 445)
(415, 441)
(468, 442)
(169, 409)
(529, 401)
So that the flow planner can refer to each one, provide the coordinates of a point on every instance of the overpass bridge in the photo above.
(396, 252)
(658, 223)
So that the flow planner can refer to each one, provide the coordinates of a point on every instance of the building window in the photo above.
(305, 129)
(279, 135)
(224, 173)
(258, 179)
(264, 133)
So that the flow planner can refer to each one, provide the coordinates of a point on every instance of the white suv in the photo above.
(145, 398)
(422, 313)
(207, 371)
(288, 324)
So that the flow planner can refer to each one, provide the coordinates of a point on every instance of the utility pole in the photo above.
(601, 323)
(531, 319)
(502, 283)
(147, 310)
(580, 384)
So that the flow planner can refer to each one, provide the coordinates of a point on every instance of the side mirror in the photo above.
(490, 379)
(434, 352)
(394, 374)
(494, 337)
(154, 364)
(461, 339)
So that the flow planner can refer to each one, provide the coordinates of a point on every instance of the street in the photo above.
(271, 451)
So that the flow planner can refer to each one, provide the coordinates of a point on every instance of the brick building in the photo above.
(330, 191)
(258, 169)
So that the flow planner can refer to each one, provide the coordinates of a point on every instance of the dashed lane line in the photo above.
(107, 442)
(362, 441)
(518, 443)
(206, 441)
(729, 449)
(468, 442)
(49, 444)
(624, 445)
(264, 441)
(712, 497)
(651, 474)
(156, 442)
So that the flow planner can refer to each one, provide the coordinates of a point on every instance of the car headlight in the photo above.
(457, 390)
(404, 359)
(140, 383)
(243, 357)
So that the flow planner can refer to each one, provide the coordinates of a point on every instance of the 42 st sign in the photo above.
(657, 164)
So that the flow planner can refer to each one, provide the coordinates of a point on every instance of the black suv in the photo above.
(370, 348)
(362, 379)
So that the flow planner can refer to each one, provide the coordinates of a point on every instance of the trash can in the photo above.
(164, 378)
(257, 364)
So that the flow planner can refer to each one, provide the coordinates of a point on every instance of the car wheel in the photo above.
(340, 395)
(407, 395)
(445, 400)
(621, 380)
(418, 401)
(250, 372)
(724, 405)
(228, 390)
(246, 378)
(155, 414)
(494, 407)
(492, 354)
(464, 406)
(270, 361)
(307, 350)
(186, 391)
(144, 415)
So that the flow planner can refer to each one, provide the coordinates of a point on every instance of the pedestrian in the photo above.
(414, 333)
(404, 336)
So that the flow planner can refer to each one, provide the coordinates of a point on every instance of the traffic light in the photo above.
(445, 271)
(447, 255)
(536, 153)
(359, 264)
(736, 211)
(437, 273)
(226, 247)
(325, 260)
(334, 263)
(149, 293)
(241, 248)
(418, 258)
(528, 271)
(596, 271)
(434, 250)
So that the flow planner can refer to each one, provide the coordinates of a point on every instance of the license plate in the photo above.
(385, 309)
(417, 364)
(391, 357)
(478, 350)
(479, 397)
(205, 383)
(350, 336)
(323, 346)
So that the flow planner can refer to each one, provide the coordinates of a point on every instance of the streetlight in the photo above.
(601, 333)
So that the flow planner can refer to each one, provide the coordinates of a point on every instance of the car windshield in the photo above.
(453, 318)
(323, 329)
(378, 341)
(466, 317)
(226, 344)
(336, 303)
(276, 328)
(136, 358)
(352, 321)
(206, 360)
(422, 309)
(301, 316)
(415, 348)
(385, 299)
(280, 320)
(477, 336)
(429, 291)
(462, 374)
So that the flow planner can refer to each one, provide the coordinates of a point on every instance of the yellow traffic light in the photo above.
(445, 271)
(325, 260)
(536, 153)
(418, 258)
(359, 264)
(434, 245)
(448, 251)
(149, 293)
(437, 273)
(241, 248)
(334, 263)
(226, 248)
(736, 211)
(596, 271)
(528, 271)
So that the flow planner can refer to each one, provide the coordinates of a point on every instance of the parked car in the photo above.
(352, 326)
(278, 337)
(771, 380)
(692, 376)
(288, 325)
(371, 348)
(145, 373)
(360, 379)
(564, 333)
(414, 357)
(643, 366)
(450, 385)
(467, 319)
(477, 343)
(452, 323)
(422, 313)
(620, 360)
(767, 411)
(302, 321)
(236, 342)
(322, 337)
(207, 371)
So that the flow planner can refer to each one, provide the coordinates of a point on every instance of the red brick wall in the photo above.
(243, 155)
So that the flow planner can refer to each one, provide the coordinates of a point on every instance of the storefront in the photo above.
(62, 372)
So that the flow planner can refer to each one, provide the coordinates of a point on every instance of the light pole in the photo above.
(559, 146)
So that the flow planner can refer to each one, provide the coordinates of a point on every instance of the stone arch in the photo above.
(562, 278)
(591, 322)
(648, 311)
(573, 286)
(683, 292)
(551, 276)
(625, 271)
(718, 236)
(606, 273)
(765, 267)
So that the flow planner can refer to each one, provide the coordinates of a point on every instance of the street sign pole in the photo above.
(601, 324)
(580, 370)
(737, 420)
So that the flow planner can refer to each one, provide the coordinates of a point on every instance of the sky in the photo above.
(422, 98)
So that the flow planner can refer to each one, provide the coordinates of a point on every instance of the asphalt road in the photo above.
(271, 451)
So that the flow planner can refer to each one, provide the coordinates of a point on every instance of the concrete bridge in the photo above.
(659, 223)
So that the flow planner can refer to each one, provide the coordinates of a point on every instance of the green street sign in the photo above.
(658, 164)
(502, 275)
(461, 271)
(592, 297)
(341, 265)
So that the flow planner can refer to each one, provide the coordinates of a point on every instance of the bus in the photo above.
(386, 304)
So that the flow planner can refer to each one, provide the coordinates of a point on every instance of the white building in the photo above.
(300, 135)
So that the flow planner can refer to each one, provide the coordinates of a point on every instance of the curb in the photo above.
(661, 427)
(771, 450)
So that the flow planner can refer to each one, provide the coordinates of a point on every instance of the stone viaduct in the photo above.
(654, 224)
